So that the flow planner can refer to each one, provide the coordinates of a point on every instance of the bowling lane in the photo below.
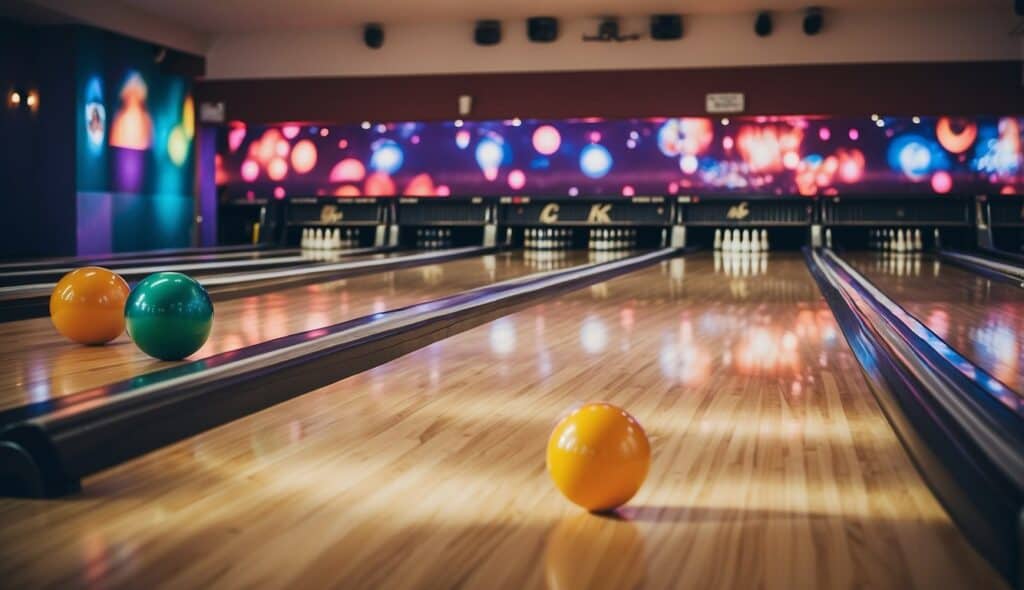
(983, 319)
(37, 364)
(773, 466)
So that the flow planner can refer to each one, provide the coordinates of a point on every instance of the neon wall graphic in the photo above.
(597, 157)
(135, 126)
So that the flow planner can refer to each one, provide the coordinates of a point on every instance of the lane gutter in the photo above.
(45, 451)
(30, 301)
(963, 429)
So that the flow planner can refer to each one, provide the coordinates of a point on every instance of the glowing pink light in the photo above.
(462, 139)
(443, 190)
(824, 134)
(628, 191)
(546, 140)
(235, 138)
(595, 137)
(673, 188)
(277, 169)
(279, 192)
(415, 139)
(422, 185)
(516, 179)
(324, 132)
(854, 134)
(379, 184)
(304, 156)
(348, 170)
(290, 131)
(250, 196)
(250, 170)
(281, 148)
(342, 144)
(727, 142)
(790, 160)
(942, 182)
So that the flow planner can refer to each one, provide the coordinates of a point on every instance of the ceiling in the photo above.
(234, 16)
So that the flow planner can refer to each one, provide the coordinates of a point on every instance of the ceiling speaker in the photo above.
(542, 29)
(813, 21)
(488, 32)
(373, 36)
(666, 27)
(763, 24)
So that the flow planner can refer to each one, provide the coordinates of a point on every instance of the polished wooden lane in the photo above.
(773, 465)
(36, 363)
(982, 318)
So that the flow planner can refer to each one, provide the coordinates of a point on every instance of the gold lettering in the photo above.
(549, 214)
(600, 213)
(331, 214)
(741, 211)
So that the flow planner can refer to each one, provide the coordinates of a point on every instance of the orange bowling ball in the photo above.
(598, 456)
(87, 305)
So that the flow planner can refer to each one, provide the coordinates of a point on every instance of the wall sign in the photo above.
(724, 102)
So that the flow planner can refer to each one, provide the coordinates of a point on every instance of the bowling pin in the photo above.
(764, 240)
(727, 241)
(304, 241)
(745, 242)
(337, 240)
(755, 242)
(828, 238)
(936, 241)
(917, 241)
(718, 239)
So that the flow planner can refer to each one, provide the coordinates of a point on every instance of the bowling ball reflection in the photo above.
(589, 551)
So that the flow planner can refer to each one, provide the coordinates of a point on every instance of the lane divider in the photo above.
(47, 448)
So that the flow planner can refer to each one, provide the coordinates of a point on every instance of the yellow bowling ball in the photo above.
(87, 305)
(598, 456)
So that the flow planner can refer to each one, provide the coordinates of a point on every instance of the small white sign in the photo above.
(211, 112)
(724, 102)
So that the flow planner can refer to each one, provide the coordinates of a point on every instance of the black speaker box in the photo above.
(763, 24)
(488, 32)
(813, 21)
(542, 29)
(666, 27)
(373, 36)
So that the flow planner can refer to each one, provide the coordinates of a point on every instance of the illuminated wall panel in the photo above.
(598, 157)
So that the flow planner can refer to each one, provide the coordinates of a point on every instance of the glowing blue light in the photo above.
(915, 156)
(595, 161)
(387, 156)
(489, 153)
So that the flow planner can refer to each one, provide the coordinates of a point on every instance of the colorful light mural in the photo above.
(135, 156)
(655, 156)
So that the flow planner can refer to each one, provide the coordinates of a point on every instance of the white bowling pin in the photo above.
(755, 242)
(937, 242)
(745, 241)
(828, 238)
(305, 238)
(901, 243)
(336, 242)
(918, 246)
(764, 240)
(727, 241)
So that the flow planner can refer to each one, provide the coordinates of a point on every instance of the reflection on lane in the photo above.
(981, 318)
(36, 364)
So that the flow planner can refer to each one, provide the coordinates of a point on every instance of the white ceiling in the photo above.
(214, 17)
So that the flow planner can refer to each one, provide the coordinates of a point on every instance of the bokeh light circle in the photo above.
(387, 156)
(546, 140)
(303, 156)
(516, 179)
(595, 161)
(942, 182)
(277, 169)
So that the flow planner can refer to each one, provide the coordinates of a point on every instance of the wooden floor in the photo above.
(773, 465)
(983, 319)
(37, 363)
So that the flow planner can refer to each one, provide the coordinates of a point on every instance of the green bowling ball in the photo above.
(169, 315)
